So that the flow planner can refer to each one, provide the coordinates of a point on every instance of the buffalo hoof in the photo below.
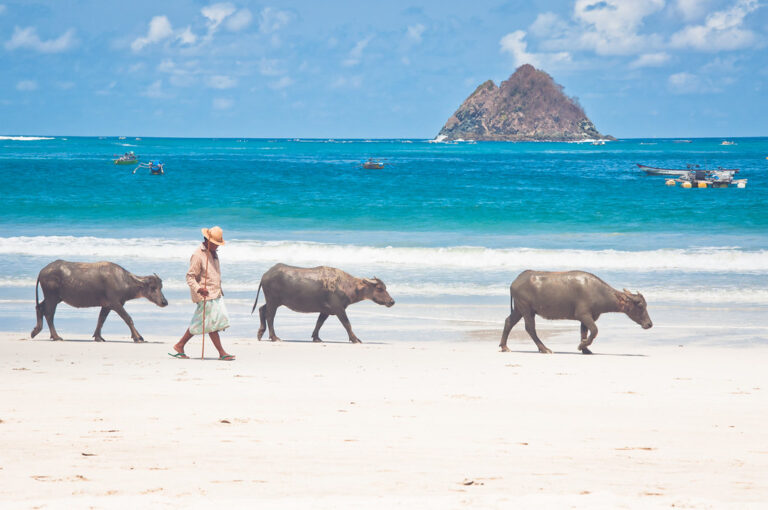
(355, 340)
(317, 340)
(260, 334)
(57, 338)
(545, 350)
(504, 348)
(139, 340)
(275, 338)
(585, 350)
(35, 331)
(98, 338)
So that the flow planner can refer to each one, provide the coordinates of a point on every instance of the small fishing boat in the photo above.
(652, 170)
(129, 158)
(373, 164)
(727, 142)
(708, 179)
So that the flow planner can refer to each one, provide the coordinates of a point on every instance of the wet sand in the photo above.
(382, 425)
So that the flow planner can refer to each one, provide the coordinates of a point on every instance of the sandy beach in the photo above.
(452, 424)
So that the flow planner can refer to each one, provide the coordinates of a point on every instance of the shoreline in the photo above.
(336, 425)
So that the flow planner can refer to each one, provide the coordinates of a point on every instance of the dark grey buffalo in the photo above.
(82, 285)
(572, 295)
(323, 290)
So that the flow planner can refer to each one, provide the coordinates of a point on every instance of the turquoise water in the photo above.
(440, 221)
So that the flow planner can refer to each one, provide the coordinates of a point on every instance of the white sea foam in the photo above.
(26, 138)
(654, 295)
(470, 258)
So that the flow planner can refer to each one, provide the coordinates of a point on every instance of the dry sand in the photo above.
(409, 425)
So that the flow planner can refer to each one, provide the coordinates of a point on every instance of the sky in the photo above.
(372, 69)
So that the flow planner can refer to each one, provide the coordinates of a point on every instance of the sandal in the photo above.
(178, 355)
(227, 357)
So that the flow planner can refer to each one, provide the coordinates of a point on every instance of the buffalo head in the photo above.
(376, 291)
(152, 289)
(636, 309)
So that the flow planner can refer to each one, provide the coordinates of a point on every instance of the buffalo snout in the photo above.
(647, 325)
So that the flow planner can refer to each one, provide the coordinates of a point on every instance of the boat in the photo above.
(708, 179)
(373, 164)
(598, 142)
(652, 170)
(727, 142)
(129, 158)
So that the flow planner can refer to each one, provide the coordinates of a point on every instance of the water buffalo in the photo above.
(572, 295)
(101, 284)
(323, 290)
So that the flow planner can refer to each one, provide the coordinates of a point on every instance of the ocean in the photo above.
(446, 226)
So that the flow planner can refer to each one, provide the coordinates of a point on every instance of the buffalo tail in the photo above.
(257, 298)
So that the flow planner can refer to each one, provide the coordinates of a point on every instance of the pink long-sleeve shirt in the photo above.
(196, 274)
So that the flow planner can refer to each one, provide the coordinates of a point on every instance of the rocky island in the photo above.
(529, 106)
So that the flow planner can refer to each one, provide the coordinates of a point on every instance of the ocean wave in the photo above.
(469, 258)
(26, 138)
(654, 295)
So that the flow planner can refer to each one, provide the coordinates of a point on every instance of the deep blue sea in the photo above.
(441, 223)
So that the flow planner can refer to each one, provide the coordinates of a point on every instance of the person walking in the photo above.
(204, 280)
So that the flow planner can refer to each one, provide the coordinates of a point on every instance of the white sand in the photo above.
(407, 425)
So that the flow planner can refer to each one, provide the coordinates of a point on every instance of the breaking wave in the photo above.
(470, 258)
(25, 138)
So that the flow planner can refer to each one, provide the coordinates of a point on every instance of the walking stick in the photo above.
(205, 298)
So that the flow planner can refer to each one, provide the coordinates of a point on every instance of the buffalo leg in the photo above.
(49, 310)
(587, 323)
(39, 307)
(513, 319)
(102, 317)
(262, 321)
(530, 327)
(270, 313)
(119, 310)
(342, 315)
(316, 332)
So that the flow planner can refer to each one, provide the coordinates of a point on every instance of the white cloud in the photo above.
(159, 29)
(611, 26)
(356, 53)
(282, 83)
(223, 103)
(155, 90)
(722, 30)
(2, 8)
(239, 20)
(415, 32)
(26, 85)
(514, 44)
(650, 60)
(272, 20)
(221, 82)
(689, 83)
(548, 24)
(186, 36)
(65, 85)
(216, 13)
(692, 9)
(28, 38)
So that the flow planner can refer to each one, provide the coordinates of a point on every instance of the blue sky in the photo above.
(364, 69)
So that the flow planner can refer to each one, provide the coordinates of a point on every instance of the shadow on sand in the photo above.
(568, 353)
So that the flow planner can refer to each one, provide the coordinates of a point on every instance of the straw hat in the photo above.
(214, 235)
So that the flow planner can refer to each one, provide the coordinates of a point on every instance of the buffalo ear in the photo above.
(370, 281)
